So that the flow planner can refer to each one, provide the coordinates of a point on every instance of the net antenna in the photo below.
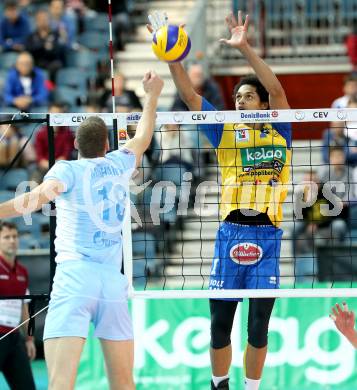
(165, 290)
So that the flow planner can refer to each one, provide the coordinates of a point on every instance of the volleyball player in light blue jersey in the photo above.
(90, 197)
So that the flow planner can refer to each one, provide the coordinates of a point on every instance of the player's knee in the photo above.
(258, 331)
(220, 332)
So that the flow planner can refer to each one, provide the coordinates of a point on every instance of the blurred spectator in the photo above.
(80, 9)
(16, 349)
(121, 19)
(12, 142)
(63, 23)
(316, 227)
(25, 84)
(64, 145)
(14, 28)
(349, 89)
(333, 136)
(176, 146)
(350, 133)
(125, 99)
(206, 87)
(92, 108)
(351, 46)
(46, 46)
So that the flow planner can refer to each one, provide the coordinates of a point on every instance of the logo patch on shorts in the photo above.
(246, 253)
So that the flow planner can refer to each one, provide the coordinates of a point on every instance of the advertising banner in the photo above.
(172, 348)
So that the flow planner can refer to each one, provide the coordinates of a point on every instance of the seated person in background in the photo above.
(121, 19)
(350, 133)
(176, 146)
(125, 99)
(351, 46)
(64, 145)
(333, 136)
(345, 322)
(12, 141)
(80, 10)
(349, 89)
(25, 85)
(92, 108)
(206, 87)
(63, 23)
(46, 46)
(316, 228)
(14, 28)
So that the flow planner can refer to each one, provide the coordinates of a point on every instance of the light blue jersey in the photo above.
(90, 211)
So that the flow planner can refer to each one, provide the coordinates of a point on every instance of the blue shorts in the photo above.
(246, 257)
(85, 292)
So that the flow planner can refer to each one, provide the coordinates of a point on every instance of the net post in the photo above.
(51, 162)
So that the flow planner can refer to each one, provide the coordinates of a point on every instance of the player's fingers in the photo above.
(334, 311)
(157, 19)
(225, 41)
(333, 318)
(229, 21)
(152, 21)
(338, 307)
(246, 22)
(345, 307)
(149, 27)
(240, 20)
(146, 76)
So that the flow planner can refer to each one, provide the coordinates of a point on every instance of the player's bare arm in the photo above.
(153, 85)
(33, 200)
(238, 40)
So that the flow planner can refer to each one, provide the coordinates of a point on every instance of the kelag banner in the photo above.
(172, 348)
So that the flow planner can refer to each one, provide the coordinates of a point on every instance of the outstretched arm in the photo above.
(238, 40)
(184, 87)
(33, 200)
(345, 322)
(145, 129)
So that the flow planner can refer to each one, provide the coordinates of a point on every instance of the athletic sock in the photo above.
(218, 379)
(251, 384)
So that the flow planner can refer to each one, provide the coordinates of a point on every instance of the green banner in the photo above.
(172, 348)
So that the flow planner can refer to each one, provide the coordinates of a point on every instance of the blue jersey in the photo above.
(90, 211)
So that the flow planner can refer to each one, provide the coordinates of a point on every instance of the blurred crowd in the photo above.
(55, 58)
(336, 188)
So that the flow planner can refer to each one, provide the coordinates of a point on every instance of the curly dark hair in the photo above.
(254, 81)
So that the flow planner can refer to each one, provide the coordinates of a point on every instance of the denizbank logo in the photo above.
(264, 154)
(258, 116)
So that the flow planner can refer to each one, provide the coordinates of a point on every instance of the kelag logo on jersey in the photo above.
(246, 253)
(263, 157)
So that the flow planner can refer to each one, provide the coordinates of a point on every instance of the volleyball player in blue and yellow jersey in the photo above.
(254, 163)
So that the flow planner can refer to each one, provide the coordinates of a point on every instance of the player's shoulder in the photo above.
(122, 155)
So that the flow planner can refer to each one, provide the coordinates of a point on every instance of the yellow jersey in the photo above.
(254, 165)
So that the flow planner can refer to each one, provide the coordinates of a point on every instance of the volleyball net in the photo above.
(175, 201)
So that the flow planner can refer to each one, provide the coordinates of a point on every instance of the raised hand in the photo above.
(344, 319)
(157, 20)
(152, 83)
(238, 31)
